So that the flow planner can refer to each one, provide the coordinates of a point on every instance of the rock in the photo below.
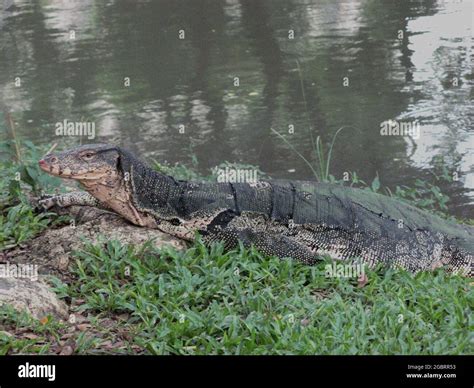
(84, 326)
(33, 296)
(63, 263)
(52, 249)
(66, 351)
(51, 252)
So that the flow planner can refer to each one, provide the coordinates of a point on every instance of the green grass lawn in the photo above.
(208, 302)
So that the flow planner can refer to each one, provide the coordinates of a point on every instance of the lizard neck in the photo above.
(105, 188)
(115, 194)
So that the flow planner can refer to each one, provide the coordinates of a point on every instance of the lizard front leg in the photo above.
(79, 198)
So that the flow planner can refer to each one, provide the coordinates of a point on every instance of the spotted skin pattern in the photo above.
(302, 220)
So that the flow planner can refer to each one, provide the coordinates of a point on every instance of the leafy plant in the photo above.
(20, 223)
(20, 179)
(207, 301)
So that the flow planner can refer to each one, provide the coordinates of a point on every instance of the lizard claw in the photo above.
(46, 202)
(45, 196)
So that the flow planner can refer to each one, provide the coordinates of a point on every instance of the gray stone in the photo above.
(32, 296)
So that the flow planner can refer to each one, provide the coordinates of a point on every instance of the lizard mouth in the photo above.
(51, 166)
(47, 166)
(43, 165)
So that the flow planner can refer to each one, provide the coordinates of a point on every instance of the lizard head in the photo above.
(87, 162)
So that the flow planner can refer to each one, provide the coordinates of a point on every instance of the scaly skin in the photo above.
(302, 220)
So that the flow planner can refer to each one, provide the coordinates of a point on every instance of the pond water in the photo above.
(207, 80)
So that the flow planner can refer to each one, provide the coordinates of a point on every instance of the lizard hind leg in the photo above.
(269, 244)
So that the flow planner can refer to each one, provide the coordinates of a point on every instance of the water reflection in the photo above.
(400, 59)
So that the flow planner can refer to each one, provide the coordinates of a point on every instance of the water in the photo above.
(409, 61)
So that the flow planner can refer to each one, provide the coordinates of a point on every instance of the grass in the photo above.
(31, 336)
(320, 168)
(21, 179)
(22, 334)
(20, 223)
(205, 301)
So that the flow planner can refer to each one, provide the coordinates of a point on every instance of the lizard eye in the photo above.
(88, 156)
